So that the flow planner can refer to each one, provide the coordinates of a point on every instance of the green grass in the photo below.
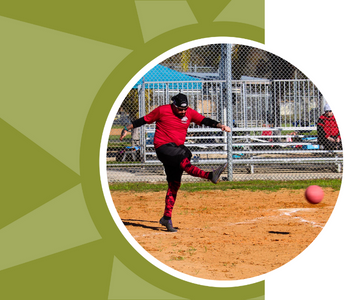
(126, 141)
(114, 137)
(255, 185)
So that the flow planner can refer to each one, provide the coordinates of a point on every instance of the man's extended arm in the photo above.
(137, 123)
(215, 124)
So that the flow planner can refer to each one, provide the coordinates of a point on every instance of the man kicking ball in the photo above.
(172, 122)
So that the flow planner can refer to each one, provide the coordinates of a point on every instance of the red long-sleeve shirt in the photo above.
(329, 126)
(169, 127)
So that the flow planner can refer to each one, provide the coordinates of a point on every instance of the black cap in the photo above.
(180, 100)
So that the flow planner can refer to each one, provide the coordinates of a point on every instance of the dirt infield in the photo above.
(116, 131)
(225, 235)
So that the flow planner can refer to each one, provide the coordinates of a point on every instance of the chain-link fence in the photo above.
(280, 129)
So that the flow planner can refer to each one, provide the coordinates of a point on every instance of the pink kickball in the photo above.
(314, 194)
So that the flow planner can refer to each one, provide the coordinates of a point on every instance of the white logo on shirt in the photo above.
(184, 120)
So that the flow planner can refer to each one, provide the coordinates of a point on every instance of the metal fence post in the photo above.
(229, 111)
(141, 108)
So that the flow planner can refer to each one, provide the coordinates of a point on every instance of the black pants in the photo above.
(171, 156)
(328, 145)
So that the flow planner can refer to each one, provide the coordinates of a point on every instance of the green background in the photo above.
(63, 64)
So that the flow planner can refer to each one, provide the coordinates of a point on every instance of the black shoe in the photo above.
(217, 172)
(167, 224)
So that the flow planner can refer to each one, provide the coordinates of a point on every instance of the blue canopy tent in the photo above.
(160, 76)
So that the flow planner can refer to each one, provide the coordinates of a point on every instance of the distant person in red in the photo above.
(172, 122)
(267, 132)
(328, 134)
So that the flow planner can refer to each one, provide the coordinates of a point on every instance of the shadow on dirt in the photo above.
(133, 222)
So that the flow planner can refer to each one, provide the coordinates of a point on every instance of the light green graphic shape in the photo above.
(157, 17)
(108, 21)
(62, 223)
(250, 12)
(30, 176)
(127, 285)
(99, 28)
(204, 12)
(49, 80)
